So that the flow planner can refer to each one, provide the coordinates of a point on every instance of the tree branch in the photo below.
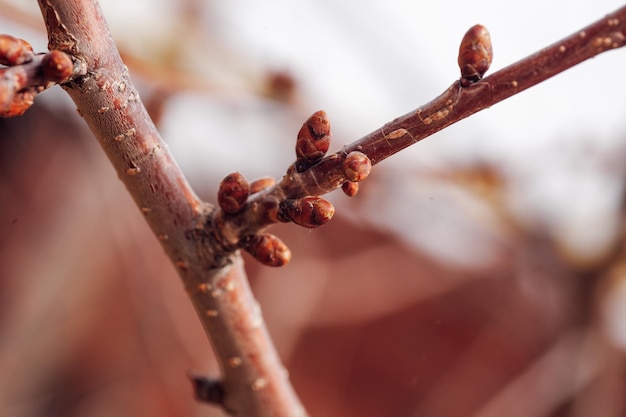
(203, 241)
(253, 378)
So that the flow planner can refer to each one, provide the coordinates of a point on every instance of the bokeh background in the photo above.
(479, 273)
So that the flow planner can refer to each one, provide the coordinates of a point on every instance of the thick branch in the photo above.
(253, 380)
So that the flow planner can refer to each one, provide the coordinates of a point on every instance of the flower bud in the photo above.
(350, 188)
(313, 138)
(15, 104)
(57, 66)
(475, 54)
(268, 249)
(14, 51)
(261, 184)
(308, 211)
(357, 166)
(233, 193)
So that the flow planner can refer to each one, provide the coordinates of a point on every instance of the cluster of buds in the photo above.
(244, 218)
(27, 74)
(232, 198)
(475, 55)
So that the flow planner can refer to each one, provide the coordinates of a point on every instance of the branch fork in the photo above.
(203, 241)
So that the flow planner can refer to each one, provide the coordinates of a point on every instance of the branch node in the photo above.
(206, 389)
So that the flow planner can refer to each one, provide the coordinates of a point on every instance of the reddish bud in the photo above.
(350, 188)
(313, 138)
(15, 104)
(268, 249)
(357, 166)
(308, 211)
(233, 193)
(261, 184)
(57, 66)
(475, 54)
(281, 86)
(14, 51)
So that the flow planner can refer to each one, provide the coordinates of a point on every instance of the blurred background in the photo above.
(479, 273)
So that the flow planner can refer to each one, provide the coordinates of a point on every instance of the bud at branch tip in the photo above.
(313, 140)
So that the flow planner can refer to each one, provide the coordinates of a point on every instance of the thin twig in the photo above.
(454, 104)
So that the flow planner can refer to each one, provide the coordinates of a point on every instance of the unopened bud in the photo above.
(233, 193)
(261, 184)
(15, 104)
(308, 211)
(475, 54)
(57, 66)
(357, 166)
(350, 188)
(268, 249)
(313, 138)
(14, 51)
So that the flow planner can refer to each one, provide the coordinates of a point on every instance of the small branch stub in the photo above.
(475, 55)
(208, 390)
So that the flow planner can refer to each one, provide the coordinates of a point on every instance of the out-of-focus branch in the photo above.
(28, 74)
